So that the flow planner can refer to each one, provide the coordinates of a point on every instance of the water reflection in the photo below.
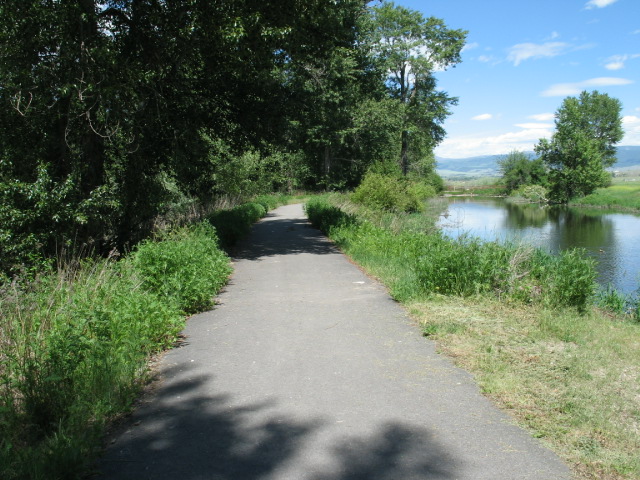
(612, 239)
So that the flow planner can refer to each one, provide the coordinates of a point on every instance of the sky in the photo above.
(523, 57)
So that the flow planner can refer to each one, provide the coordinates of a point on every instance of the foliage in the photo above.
(391, 193)
(183, 268)
(587, 128)
(420, 263)
(532, 193)
(409, 48)
(114, 112)
(517, 170)
(235, 223)
(111, 110)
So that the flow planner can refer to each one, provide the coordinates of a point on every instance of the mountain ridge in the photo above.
(487, 165)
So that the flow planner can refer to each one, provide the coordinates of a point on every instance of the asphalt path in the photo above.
(308, 370)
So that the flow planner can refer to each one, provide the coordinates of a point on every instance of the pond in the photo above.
(613, 239)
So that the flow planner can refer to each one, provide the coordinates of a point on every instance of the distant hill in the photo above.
(487, 165)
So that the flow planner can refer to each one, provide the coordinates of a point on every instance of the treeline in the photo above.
(114, 112)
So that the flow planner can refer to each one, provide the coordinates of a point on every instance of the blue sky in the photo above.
(523, 57)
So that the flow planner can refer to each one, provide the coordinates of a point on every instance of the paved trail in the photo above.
(307, 370)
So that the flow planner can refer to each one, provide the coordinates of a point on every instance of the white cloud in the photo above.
(484, 116)
(614, 65)
(565, 89)
(524, 51)
(470, 46)
(616, 62)
(631, 126)
(598, 3)
(535, 126)
(486, 58)
(543, 117)
(499, 144)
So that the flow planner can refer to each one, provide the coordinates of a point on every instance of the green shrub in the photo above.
(464, 267)
(234, 224)
(269, 202)
(421, 190)
(612, 300)
(571, 279)
(532, 193)
(75, 344)
(326, 217)
(186, 267)
(391, 193)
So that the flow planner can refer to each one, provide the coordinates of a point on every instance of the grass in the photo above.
(75, 343)
(621, 196)
(539, 346)
(464, 266)
(573, 380)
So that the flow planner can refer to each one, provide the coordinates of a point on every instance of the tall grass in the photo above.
(74, 344)
(625, 197)
(418, 263)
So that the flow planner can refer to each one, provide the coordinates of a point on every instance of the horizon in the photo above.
(524, 151)
(522, 59)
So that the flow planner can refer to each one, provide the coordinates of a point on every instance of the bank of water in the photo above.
(613, 239)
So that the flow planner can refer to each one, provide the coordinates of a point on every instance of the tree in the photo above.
(408, 49)
(110, 110)
(582, 148)
(518, 169)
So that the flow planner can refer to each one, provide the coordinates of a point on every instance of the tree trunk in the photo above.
(404, 154)
(327, 164)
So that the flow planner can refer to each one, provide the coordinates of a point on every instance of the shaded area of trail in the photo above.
(308, 370)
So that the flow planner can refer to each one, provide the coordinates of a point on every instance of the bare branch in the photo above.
(17, 99)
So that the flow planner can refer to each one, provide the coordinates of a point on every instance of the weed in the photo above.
(612, 300)
(186, 267)
(74, 343)
(235, 223)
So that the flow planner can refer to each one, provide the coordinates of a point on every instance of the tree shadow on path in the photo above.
(282, 236)
(188, 436)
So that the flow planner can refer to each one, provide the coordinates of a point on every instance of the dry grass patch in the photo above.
(572, 380)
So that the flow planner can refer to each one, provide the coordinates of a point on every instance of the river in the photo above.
(613, 239)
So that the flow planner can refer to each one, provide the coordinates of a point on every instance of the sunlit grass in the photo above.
(626, 196)
(573, 380)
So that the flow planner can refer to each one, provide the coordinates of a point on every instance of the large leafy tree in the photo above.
(109, 107)
(518, 169)
(583, 145)
(408, 48)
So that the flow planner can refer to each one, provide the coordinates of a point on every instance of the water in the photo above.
(613, 239)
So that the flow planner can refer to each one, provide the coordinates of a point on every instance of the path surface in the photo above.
(307, 370)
